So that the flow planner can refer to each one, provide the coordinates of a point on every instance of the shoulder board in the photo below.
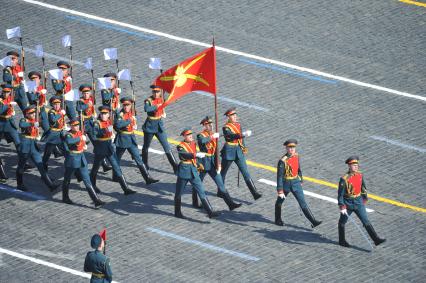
(284, 158)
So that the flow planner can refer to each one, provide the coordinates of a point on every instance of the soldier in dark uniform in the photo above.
(38, 98)
(154, 126)
(125, 124)
(52, 137)
(63, 86)
(103, 135)
(28, 149)
(3, 175)
(8, 129)
(111, 96)
(97, 263)
(207, 142)
(235, 149)
(188, 172)
(290, 179)
(351, 197)
(14, 75)
(75, 145)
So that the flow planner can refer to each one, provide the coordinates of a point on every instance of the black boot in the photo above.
(124, 186)
(28, 166)
(145, 175)
(311, 217)
(93, 175)
(256, 195)
(105, 166)
(228, 200)
(56, 152)
(3, 175)
(52, 186)
(20, 181)
(195, 199)
(342, 240)
(278, 219)
(219, 194)
(94, 196)
(178, 212)
(208, 207)
(78, 176)
(373, 235)
(172, 161)
(114, 177)
(144, 156)
(65, 192)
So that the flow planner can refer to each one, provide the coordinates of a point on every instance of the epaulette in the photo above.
(284, 158)
(149, 99)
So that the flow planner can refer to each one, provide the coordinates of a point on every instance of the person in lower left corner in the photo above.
(97, 263)
(289, 179)
(351, 197)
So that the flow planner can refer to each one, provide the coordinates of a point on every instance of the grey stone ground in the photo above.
(379, 42)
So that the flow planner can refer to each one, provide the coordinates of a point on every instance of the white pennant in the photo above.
(30, 86)
(124, 75)
(88, 65)
(13, 32)
(56, 74)
(6, 62)
(155, 63)
(72, 95)
(39, 51)
(104, 83)
(66, 40)
(110, 53)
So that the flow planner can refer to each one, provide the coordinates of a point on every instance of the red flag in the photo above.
(195, 73)
(103, 234)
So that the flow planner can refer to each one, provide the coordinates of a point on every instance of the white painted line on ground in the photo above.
(225, 50)
(203, 244)
(156, 151)
(318, 196)
(46, 263)
(400, 144)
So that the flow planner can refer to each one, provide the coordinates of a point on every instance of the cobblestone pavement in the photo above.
(376, 42)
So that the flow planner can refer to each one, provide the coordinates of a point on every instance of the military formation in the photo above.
(52, 124)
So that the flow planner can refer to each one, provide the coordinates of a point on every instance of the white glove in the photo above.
(21, 74)
(344, 211)
(113, 136)
(218, 170)
(13, 103)
(36, 124)
(282, 195)
(43, 91)
(247, 133)
(68, 79)
(110, 128)
(118, 90)
(164, 115)
(63, 112)
(215, 136)
(84, 137)
(200, 154)
(85, 147)
(135, 127)
(67, 128)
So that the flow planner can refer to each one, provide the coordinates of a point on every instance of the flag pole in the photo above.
(22, 54)
(70, 61)
(93, 86)
(216, 118)
(44, 72)
(118, 70)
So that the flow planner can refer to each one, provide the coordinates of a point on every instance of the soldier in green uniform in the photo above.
(38, 98)
(188, 172)
(64, 86)
(207, 143)
(75, 145)
(14, 76)
(234, 150)
(28, 148)
(290, 179)
(8, 129)
(154, 126)
(125, 125)
(111, 96)
(352, 197)
(103, 135)
(97, 263)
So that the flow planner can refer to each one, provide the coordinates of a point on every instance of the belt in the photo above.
(56, 129)
(5, 116)
(29, 137)
(209, 154)
(186, 162)
(232, 143)
(154, 118)
(77, 151)
(126, 132)
(352, 196)
(291, 178)
(87, 117)
(98, 275)
(104, 139)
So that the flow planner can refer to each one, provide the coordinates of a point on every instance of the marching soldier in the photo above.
(234, 150)
(8, 129)
(290, 179)
(125, 124)
(38, 99)
(207, 141)
(52, 137)
(104, 149)
(154, 126)
(14, 75)
(63, 86)
(111, 97)
(75, 145)
(351, 197)
(3, 175)
(28, 148)
(188, 172)
(97, 263)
